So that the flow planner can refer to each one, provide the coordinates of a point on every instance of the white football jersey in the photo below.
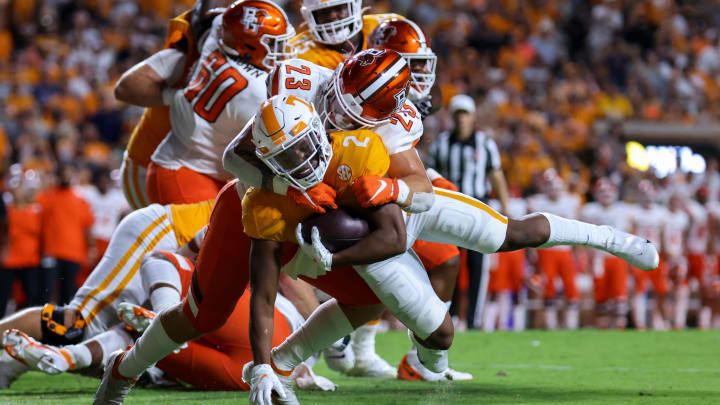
(648, 222)
(697, 238)
(308, 81)
(567, 205)
(676, 224)
(618, 215)
(221, 96)
(107, 209)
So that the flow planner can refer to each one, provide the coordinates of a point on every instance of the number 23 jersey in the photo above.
(308, 81)
(221, 96)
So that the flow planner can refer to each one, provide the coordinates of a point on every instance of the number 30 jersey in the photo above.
(306, 80)
(220, 98)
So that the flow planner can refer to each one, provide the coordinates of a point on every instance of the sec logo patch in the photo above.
(344, 172)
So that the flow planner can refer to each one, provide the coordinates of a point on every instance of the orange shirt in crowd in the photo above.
(24, 225)
(66, 218)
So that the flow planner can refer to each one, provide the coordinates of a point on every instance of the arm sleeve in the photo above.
(167, 63)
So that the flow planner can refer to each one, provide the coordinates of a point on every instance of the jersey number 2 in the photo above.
(218, 91)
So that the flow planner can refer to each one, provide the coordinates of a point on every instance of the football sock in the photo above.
(505, 307)
(325, 325)
(490, 316)
(113, 339)
(80, 355)
(704, 318)
(150, 348)
(572, 317)
(163, 298)
(433, 359)
(551, 321)
(565, 231)
(682, 296)
(363, 340)
(639, 310)
(519, 318)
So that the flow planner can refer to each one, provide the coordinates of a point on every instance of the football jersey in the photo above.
(567, 205)
(220, 98)
(713, 208)
(271, 216)
(648, 222)
(154, 124)
(697, 238)
(323, 55)
(189, 219)
(676, 224)
(307, 81)
(107, 209)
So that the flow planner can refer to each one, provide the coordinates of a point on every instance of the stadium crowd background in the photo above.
(542, 72)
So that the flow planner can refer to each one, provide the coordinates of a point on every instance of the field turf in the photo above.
(583, 367)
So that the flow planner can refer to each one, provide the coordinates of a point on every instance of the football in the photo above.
(339, 229)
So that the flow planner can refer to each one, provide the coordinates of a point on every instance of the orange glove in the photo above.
(442, 182)
(320, 195)
(371, 191)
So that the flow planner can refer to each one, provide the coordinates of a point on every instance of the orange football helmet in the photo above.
(408, 39)
(256, 32)
(366, 89)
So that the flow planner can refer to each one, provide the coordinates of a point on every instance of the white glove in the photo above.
(316, 251)
(263, 382)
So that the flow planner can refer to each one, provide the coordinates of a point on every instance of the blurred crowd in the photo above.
(542, 73)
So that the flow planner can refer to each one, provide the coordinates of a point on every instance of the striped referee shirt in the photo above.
(465, 163)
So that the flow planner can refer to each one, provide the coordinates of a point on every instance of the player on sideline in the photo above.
(306, 154)
(114, 280)
(225, 87)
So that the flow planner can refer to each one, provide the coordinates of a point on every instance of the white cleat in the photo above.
(134, 316)
(637, 251)
(372, 366)
(340, 356)
(114, 387)
(10, 369)
(37, 356)
(455, 375)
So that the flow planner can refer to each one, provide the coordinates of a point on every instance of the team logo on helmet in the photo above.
(387, 31)
(368, 57)
(252, 19)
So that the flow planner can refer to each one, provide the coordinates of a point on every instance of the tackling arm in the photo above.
(146, 84)
(265, 259)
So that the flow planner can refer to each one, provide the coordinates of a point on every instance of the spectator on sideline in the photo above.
(22, 257)
(470, 159)
(66, 222)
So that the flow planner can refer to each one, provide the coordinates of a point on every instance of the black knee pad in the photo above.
(53, 327)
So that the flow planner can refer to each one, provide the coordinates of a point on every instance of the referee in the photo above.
(470, 159)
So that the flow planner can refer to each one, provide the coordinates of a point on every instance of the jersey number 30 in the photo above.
(215, 93)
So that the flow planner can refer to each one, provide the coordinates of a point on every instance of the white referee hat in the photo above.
(462, 102)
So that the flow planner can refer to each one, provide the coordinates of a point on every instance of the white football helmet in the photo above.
(290, 139)
(333, 32)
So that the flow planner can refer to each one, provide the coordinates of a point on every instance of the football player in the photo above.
(114, 280)
(224, 88)
(698, 243)
(674, 236)
(557, 261)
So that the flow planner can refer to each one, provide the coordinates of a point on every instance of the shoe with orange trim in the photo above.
(411, 369)
(114, 387)
(10, 369)
(35, 355)
(134, 316)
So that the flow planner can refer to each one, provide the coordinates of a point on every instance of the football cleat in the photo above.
(114, 387)
(372, 366)
(411, 369)
(637, 251)
(340, 356)
(134, 316)
(455, 375)
(10, 369)
(35, 355)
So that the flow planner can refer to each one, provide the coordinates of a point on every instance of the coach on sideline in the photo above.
(470, 159)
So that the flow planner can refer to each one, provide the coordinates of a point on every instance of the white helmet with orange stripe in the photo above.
(291, 140)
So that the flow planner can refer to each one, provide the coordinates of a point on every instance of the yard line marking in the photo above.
(572, 368)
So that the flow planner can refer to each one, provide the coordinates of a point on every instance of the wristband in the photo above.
(433, 174)
(403, 192)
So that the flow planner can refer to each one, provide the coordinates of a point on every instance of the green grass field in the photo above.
(584, 367)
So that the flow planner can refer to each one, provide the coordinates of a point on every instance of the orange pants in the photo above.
(215, 361)
(434, 254)
(612, 284)
(222, 272)
(509, 273)
(658, 277)
(696, 268)
(182, 186)
(554, 262)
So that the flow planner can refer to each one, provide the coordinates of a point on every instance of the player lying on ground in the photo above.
(213, 362)
(114, 280)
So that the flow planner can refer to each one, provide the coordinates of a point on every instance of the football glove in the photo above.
(315, 250)
(314, 198)
(263, 382)
(371, 191)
